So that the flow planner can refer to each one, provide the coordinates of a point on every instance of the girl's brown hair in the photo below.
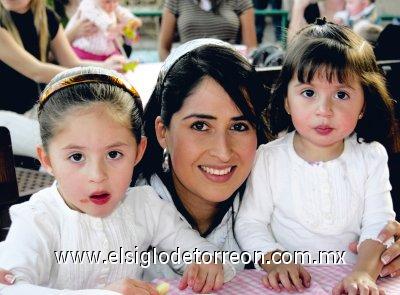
(79, 88)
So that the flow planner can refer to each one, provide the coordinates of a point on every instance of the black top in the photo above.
(17, 92)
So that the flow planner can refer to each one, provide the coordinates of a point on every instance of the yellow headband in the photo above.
(86, 78)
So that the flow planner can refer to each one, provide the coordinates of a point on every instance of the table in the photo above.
(324, 278)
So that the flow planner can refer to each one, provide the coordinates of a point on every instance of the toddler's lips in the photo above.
(100, 199)
(323, 130)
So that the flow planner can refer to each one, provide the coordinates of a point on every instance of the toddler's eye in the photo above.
(199, 126)
(240, 127)
(308, 93)
(114, 155)
(341, 95)
(76, 158)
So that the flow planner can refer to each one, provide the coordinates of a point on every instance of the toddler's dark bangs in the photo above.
(328, 60)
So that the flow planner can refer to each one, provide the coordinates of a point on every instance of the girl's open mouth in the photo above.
(100, 199)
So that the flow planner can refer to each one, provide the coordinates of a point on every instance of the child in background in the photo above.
(91, 128)
(111, 20)
(356, 10)
(325, 183)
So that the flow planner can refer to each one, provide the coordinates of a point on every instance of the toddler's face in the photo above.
(354, 7)
(324, 113)
(92, 157)
(108, 5)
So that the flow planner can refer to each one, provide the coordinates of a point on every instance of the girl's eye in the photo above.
(114, 155)
(341, 95)
(77, 158)
(308, 93)
(199, 126)
(240, 127)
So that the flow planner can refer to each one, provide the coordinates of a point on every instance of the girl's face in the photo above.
(324, 113)
(211, 144)
(108, 5)
(19, 6)
(92, 158)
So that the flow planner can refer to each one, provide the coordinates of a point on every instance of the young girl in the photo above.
(326, 182)
(110, 19)
(91, 128)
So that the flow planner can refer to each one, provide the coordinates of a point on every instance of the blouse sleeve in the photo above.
(27, 253)
(252, 226)
(172, 5)
(243, 5)
(378, 207)
(53, 23)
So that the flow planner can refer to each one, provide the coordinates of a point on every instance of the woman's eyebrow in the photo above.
(200, 116)
(209, 117)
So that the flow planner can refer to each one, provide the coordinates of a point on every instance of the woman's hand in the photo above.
(391, 256)
(6, 277)
(132, 287)
(203, 278)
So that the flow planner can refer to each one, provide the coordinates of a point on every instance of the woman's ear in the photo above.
(141, 147)
(286, 106)
(44, 159)
(161, 132)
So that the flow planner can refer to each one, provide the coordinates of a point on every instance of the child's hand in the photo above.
(203, 278)
(132, 287)
(6, 277)
(115, 31)
(357, 282)
(293, 277)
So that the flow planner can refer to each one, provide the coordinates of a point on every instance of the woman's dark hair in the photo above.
(229, 69)
(337, 52)
(82, 88)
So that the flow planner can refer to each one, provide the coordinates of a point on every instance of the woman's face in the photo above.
(19, 6)
(211, 144)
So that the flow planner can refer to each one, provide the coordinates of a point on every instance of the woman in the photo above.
(205, 112)
(203, 123)
(36, 29)
(221, 19)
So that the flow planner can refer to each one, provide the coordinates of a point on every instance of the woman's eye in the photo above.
(341, 95)
(240, 127)
(308, 93)
(76, 158)
(200, 126)
(114, 155)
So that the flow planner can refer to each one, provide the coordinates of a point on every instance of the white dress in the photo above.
(290, 204)
(99, 43)
(45, 225)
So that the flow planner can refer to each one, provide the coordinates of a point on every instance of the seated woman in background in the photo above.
(110, 20)
(28, 32)
(220, 19)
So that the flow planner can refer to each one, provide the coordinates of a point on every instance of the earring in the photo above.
(360, 116)
(165, 163)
